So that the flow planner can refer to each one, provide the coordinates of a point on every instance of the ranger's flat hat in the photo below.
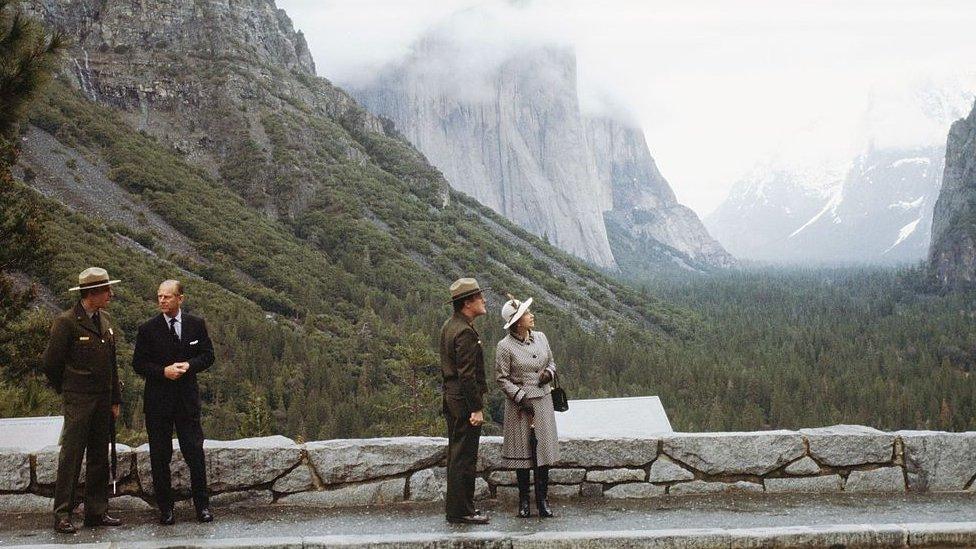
(92, 277)
(464, 287)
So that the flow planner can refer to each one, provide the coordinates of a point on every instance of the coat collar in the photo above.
(461, 318)
(161, 323)
(81, 315)
(529, 339)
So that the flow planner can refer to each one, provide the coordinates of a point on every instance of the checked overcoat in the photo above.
(517, 368)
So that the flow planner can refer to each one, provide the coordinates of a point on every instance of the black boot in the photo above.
(542, 492)
(523, 488)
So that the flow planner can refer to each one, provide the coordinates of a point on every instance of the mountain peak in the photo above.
(211, 28)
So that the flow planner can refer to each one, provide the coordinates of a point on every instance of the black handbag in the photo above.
(560, 402)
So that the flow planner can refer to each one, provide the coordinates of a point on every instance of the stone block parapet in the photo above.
(362, 472)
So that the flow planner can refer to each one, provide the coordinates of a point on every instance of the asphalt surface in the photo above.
(722, 512)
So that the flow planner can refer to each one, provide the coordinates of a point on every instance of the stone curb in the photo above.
(924, 534)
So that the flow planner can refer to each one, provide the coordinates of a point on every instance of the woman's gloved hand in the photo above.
(525, 407)
(545, 376)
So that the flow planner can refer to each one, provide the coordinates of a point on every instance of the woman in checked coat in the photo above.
(524, 369)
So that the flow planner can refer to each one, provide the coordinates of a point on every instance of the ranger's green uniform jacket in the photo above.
(81, 359)
(463, 363)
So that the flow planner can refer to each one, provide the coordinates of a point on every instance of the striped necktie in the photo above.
(172, 329)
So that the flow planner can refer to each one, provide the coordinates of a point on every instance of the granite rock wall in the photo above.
(359, 472)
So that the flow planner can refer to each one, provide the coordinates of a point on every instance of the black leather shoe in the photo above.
(103, 520)
(167, 517)
(469, 519)
(64, 526)
(544, 510)
(204, 515)
(542, 492)
(524, 509)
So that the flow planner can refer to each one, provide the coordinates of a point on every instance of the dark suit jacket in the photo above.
(156, 349)
(80, 358)
(463, 362)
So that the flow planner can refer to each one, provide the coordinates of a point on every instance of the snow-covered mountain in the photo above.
(769, 204)
(875, 207)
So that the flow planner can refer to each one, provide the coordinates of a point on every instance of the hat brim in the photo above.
(518, 313)
(468, 294)
(99, 285)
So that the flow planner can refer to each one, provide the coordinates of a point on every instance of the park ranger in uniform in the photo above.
(463, 369)
(80, 364)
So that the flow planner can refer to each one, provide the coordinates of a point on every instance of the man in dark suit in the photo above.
(80, 364)
(171, 349)
(463, 370)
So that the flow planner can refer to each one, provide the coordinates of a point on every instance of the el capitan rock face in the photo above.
(514, 137)
(952, 256)
(518, 145)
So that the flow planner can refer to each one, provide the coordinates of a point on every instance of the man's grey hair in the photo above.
(176, 283)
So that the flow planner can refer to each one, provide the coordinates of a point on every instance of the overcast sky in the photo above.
(718, 86)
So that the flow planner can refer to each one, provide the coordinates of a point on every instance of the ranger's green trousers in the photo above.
(87, 428)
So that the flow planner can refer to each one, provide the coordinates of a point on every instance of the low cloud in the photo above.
(717, 86)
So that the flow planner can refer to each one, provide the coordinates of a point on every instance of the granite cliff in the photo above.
(952, 255)
(511, 133)
(200, 76)
(647, 223)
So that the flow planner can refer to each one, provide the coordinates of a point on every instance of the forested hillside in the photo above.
(785, 348)
(313, 316)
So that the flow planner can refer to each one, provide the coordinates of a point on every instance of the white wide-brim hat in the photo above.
(93, 277)
(513, 310)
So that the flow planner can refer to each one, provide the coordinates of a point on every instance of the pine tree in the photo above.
(945, 415)
(28, 58)
(256, 420)
(409, 405)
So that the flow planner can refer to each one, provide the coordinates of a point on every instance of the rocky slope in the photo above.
(952, 256)
(193, 140)
(185, 71)
(511, 134)
(231, 89)
(643, 208)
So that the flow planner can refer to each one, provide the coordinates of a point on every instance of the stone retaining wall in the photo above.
(353, 472)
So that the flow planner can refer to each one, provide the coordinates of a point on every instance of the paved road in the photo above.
(714, 512)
